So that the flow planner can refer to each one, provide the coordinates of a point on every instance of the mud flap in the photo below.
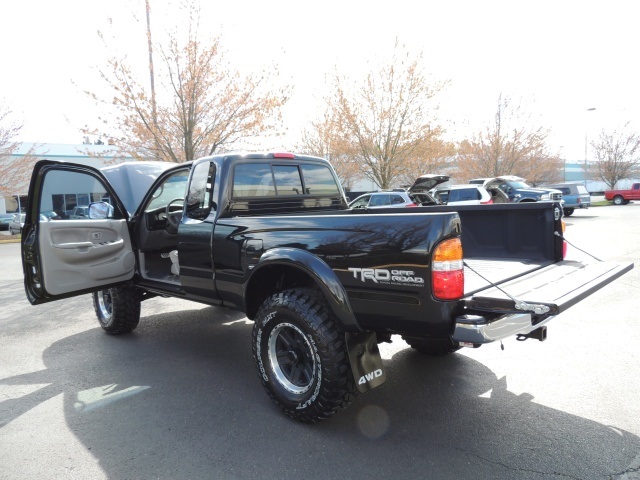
(365, 359)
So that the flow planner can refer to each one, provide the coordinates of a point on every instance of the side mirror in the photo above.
(100, 211)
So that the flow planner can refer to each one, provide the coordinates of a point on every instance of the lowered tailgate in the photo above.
(557, 286)
(522, 306)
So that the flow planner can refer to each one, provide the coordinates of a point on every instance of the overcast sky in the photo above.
(559, 57)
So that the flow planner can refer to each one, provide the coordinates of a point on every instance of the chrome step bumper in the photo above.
(477, 330)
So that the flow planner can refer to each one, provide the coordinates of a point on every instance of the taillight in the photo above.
(447, 270)
(579, 201)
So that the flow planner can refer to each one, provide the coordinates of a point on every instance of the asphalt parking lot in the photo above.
(179, 398)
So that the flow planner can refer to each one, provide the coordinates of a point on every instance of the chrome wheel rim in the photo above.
(104, 303)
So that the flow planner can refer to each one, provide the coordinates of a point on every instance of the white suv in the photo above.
(462, 195)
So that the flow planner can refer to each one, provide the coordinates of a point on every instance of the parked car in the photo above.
(622, 197)
(51, 215)
(462, 195)
(5, 220)
(416, 195)
(575, 195)
(80, 212)
(16, 224)
(384, 199)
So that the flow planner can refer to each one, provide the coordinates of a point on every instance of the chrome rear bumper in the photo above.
(477, 330)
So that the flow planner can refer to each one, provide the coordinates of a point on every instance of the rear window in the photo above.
(318, 180)
(288, 181)
(253, 180)
(264, 180)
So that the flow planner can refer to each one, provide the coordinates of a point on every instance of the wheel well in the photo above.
(270, 280)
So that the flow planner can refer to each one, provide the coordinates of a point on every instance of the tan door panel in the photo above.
(82, 254)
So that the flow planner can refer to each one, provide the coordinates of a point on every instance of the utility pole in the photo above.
(586, 161)
(153, 88)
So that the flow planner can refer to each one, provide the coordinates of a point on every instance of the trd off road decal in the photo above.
(384, 276)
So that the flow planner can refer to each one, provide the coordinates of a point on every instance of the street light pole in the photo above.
(586, 164)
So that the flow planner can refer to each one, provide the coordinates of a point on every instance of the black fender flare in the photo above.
(321, 274)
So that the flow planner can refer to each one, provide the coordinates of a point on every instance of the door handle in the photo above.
(73, 245)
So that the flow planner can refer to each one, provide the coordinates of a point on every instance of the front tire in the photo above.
(568, 212)
(436, 347)
(301, 356)
(618, 200)
(117, 309)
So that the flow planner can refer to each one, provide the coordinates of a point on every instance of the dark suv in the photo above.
(517, 190)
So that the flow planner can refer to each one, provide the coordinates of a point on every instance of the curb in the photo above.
(9, 239)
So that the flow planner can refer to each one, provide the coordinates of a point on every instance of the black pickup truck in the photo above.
(271, 235)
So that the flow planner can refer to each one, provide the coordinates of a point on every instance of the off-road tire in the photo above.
(433, 346)
(117, 309)
(301, 356)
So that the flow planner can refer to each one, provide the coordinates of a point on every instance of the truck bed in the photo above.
(479, 273)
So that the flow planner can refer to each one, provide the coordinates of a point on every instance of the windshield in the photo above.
(174, 187)
(518, 184)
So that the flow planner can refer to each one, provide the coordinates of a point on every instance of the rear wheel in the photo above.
(301, 356)
(433, 346)
(117, 309)
(618, 200)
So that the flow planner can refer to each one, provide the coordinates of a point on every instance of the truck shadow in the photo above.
(180, 398)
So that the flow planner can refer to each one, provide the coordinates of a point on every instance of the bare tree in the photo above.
(617, 155)
(510, 145)
(436, 156)
(321, 139)
(14, 170)
(202, 105)
(387, 123)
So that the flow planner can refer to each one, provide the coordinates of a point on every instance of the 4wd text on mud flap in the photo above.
(370, 376)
